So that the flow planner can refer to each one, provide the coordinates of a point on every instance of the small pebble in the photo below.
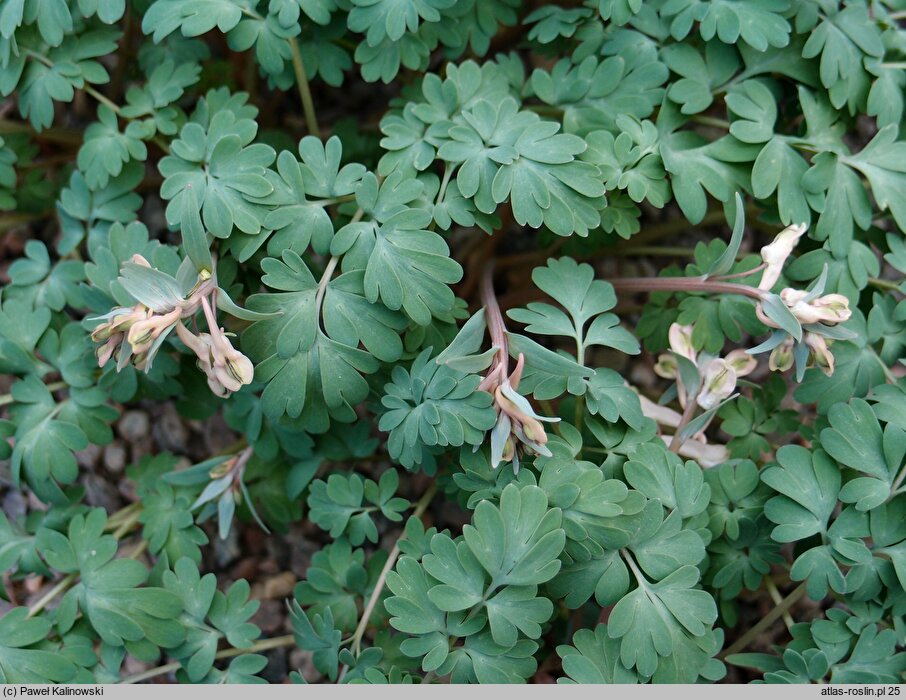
(301, 552)
(14, 504)
(279, 586)
(133, 426)
(115, 457)
(217, 434)
(301, 661)
(101, 492)
(169, 431)
(276, 670)
(88, 457)
(270, 616)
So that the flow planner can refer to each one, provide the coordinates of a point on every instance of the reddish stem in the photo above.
(494, 317)
(684, 284)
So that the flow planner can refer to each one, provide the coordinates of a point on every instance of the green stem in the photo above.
(308, 105)
(778, 599)
(448, 173)
(128, 523)
(38, 57)
(884, 284)
(7, 399)
(61, 587)
(636, 572)
(712, 121)
(765, 622)
(286, 640)
(895, 487)
(332, 200)
(578, 413)
(420, 509)
(325, 280)
(54, 134)
(103, 99)
(117, 519)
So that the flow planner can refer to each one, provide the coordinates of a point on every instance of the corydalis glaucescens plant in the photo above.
(136, 334)
(518, 426)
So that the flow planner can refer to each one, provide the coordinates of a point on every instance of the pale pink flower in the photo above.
(824, 358)
(718, 383)
(680, 338)
(776, 254)
(742, 362)
(781, 358)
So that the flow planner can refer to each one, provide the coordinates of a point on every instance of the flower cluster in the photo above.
(816, 314)
(716, 375)
(517, 423)
(135, 334)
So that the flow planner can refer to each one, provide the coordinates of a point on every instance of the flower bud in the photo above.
(142, 334)
(666, 366)
(781, 358)
(534, 431)
(140, 361)
(105, 352)
(502, 446)
(824, 358)
(119, 319)
(509, 450)
(680, 338)
(804, 311)
(231, 367)
(742, 362)
(834, 308)
(830, 309)
(718, 382)
(102, 332)
(775, 254)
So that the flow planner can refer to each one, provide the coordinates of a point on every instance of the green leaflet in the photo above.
(209, 616)
(108, 593)
(585, 299)
(432, 406)
(21, 664)
(213, 172)
(855, 440)
(344, 504)
(294, 344)
(494, 570)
